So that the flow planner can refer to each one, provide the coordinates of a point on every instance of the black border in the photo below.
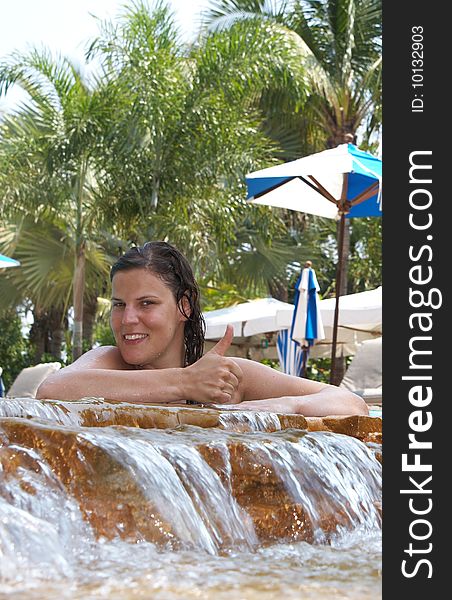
(405, 131)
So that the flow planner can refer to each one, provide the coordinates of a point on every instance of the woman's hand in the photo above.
(215, 377)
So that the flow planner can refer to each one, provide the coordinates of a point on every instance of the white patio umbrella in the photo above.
(342, 182)
(360, 318)
(5, 261)
(249, 318)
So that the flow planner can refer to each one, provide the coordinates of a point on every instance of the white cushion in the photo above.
(373, 395)
(364, 375)
(29, 379)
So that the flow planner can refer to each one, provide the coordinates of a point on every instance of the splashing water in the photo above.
(128, 512)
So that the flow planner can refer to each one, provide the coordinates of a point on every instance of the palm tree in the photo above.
(43, 283)
(187, 131)
(155, 146)
(339, 44)
(47, 153)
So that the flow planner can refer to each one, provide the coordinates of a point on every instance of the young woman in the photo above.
(158, 358)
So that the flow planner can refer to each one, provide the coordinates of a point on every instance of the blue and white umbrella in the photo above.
(342, 182)
(307, 326)
(344, 179)
(290, 354)
(5, 261)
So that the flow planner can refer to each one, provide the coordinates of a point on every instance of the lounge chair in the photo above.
(29, 379)
(364, 374)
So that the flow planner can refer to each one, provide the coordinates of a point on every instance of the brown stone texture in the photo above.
(261, 492)
(112, 500)
(362, 427)
(109, 497)
(103, 414)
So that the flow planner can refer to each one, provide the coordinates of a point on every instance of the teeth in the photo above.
(135, 336)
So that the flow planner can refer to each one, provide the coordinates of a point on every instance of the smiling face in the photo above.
(146, 321)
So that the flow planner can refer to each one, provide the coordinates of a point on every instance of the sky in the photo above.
(66, 25)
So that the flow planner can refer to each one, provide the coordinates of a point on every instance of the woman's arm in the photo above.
(103, 373)
(264, 388)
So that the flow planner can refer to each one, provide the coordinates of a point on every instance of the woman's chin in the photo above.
(134, 356)
(141, 360)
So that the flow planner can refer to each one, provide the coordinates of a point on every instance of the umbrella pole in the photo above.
(333, 374)
(305, 361)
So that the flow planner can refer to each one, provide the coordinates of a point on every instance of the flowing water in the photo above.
(123, 512)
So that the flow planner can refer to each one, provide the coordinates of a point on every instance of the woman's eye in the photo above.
(117, 304)
(147, 302)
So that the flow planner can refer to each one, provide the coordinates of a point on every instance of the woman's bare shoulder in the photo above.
(262, 381)
(102, 357)
(252, 367)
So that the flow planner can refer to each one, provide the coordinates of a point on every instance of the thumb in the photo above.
(221, 347)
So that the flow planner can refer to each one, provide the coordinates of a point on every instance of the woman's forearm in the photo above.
(330, 401)
(147, 386)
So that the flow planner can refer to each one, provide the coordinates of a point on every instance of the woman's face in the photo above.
(146, 321)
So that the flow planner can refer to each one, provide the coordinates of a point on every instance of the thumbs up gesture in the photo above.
(221, 347)
(215, 378)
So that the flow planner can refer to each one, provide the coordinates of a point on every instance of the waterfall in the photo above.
(70, 492)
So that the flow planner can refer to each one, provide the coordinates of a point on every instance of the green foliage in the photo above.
(319, 369)
(220, 296)
(339, 46)
(185, 131)
(103, 334)
(47, 357)
(157, 145)
(14, 348)
(366, 254)
(270, 362)
(45, 249)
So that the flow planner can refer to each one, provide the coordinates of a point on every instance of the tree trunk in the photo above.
(89, 319)
(341, 137)
(38, 334)
(47, 333)
(278, 290)
(56, 332)
(79, 285)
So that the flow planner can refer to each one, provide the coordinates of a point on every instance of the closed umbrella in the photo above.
(307, 326)
(5, 261)
(290, 354)
(342, 182)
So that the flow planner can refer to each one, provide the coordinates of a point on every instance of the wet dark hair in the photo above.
(165, 261)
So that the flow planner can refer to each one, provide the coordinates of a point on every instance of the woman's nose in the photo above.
(130, 315)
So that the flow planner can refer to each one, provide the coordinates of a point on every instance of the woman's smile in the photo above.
(134, 338)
